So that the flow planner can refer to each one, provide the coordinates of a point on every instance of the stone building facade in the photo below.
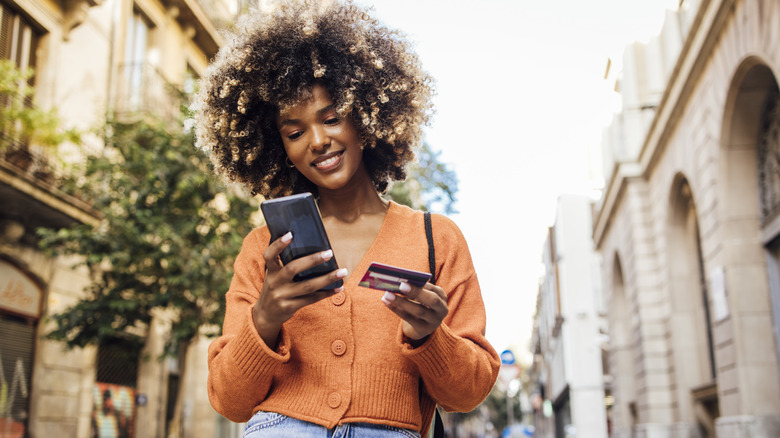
(688, 227)
(91, 58)
(569, 328)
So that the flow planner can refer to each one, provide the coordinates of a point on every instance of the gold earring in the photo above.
(289, 163)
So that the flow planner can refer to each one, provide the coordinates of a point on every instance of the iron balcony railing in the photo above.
(37, 162)
(142, 89)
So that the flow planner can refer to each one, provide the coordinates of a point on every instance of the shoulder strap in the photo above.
(438, 425)
(431, 249)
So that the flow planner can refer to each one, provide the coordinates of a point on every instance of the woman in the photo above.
(323, 98)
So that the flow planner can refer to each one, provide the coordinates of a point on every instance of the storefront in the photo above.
(20, 308)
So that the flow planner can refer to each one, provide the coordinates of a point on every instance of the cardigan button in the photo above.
(338, 347)
(334, 400)
(339, 298)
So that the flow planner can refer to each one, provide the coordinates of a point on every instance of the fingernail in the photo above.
(404, 287)
(287, 237)
(388, 298)
(338, 289)
(326, 254)
(341, 273)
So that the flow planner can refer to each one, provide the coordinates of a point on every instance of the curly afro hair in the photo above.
(270, 63)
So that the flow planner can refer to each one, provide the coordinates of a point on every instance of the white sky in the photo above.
(521, 99)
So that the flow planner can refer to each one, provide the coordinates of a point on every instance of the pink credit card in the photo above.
(389, 278)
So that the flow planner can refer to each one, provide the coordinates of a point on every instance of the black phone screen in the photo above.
(299, 214)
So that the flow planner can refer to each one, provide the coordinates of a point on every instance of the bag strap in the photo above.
(438, 426)
(431, 249)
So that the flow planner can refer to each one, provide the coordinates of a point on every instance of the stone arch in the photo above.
(22, 292)
(752, 87)
(689, 332)
(622, 352)
(755, 125)
(751, 222)
(22, 296)
(769, 196)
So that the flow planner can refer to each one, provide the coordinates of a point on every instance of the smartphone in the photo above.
(389, 278)
(300, 215)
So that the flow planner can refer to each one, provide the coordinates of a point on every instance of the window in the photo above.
(117, 361)
(135, 59)
(769, 159)
(18, 42)
(18, 39)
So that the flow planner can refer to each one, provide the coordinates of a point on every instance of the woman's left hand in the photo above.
(421, 308)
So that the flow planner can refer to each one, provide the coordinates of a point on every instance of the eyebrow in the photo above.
(320, 112)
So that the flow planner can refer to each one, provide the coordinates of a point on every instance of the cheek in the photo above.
(353, 138)
(293, 152)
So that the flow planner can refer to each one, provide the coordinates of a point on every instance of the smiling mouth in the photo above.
(328, 161)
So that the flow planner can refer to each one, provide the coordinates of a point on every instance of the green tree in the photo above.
(167, 240)
(430, 184)
(169, 233)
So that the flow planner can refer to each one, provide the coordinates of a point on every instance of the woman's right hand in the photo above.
(280, 296)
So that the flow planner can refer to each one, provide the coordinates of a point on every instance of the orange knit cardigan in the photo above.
(343, 359)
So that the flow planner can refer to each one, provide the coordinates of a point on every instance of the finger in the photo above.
(323, 281)
(429, 296)
(413, 327)
(313, 297)
(310, 291)
(271, 254)
(307, 262)
(439, 291)
(408, 310)
(410, 292)
(302, 289)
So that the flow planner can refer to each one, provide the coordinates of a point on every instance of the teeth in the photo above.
(328, 162)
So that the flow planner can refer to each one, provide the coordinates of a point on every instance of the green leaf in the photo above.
(430, 184)
(157, 247)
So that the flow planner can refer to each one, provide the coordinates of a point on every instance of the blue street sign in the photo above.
(507, 357)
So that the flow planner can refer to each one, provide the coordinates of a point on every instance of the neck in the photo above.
(349, 203)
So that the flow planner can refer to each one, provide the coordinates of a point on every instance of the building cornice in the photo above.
(612, 196)
(74, 12)
(691, 63)
(198, 24)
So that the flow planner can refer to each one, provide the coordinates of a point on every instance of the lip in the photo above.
(329, 161)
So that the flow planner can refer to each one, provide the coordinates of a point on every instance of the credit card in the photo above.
(389, 278)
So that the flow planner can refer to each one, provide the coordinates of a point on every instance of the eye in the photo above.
(332, 120)
(294, 135)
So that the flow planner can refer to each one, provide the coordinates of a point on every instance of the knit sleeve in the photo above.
(241, 365)
(457, 363)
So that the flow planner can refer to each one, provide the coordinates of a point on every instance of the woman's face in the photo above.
(323, 146)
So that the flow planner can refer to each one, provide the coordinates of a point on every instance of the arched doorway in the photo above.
(622, 328)
(769, 188)
(21, 297)
(689, 327)
(751, 219)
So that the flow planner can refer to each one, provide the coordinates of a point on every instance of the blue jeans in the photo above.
(270, 424)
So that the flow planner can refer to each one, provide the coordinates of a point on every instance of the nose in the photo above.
(319, 138)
